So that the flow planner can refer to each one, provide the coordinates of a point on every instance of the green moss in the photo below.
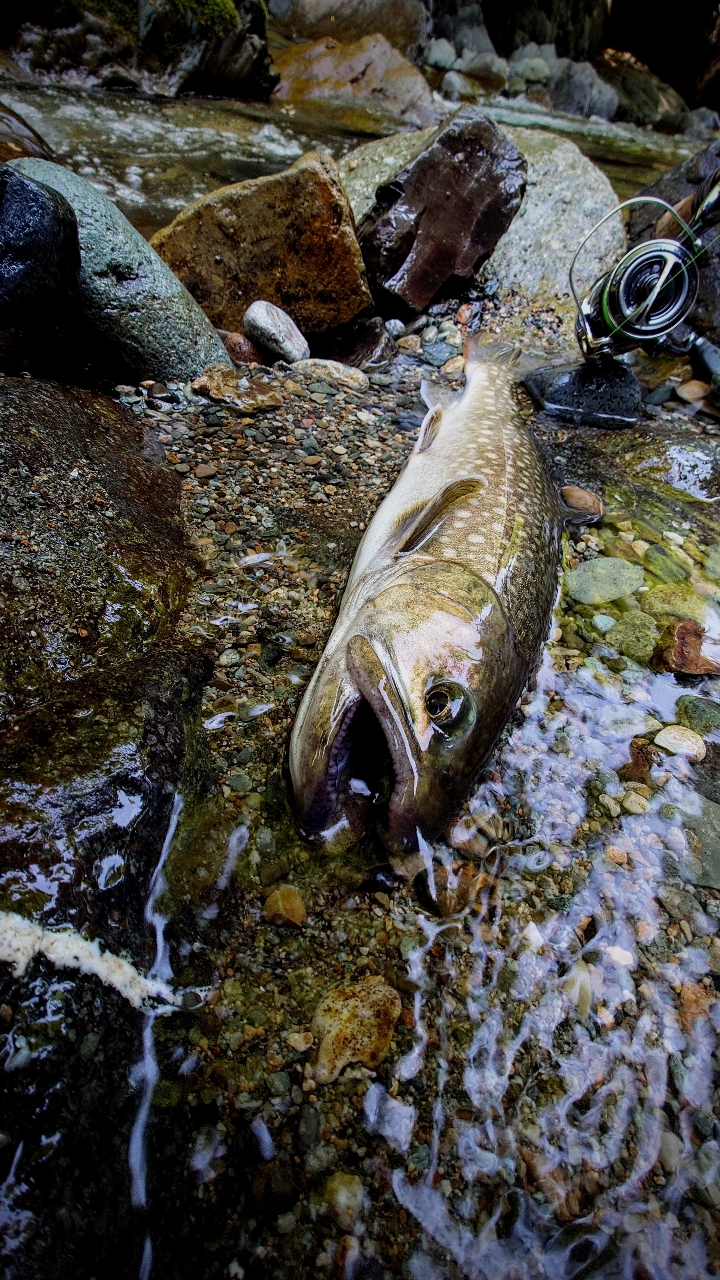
(216, 17)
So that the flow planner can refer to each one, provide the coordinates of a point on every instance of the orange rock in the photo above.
(240, 349)
(221, 383)
(684, 651)
(695, 1000)
(582, 500)
(285, 906)
(616, 855)
(354, 1024)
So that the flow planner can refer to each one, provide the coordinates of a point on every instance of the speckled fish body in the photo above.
(445, 612)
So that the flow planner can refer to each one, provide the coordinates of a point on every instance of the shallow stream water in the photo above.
(547, 1106)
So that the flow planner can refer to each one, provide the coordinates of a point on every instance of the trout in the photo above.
(442, 622)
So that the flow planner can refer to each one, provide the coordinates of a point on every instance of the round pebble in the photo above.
(680, 741)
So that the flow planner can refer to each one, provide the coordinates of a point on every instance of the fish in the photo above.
(442, 622)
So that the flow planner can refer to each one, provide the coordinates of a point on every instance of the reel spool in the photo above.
(647, 294)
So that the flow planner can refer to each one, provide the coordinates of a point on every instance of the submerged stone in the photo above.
(635, 636)
(680, 741)
(344, 1198)
(354, 1024)
(143, 319)
(443, 214)
(700, 714)
(18, 138)
(286, 238)
(603, 579)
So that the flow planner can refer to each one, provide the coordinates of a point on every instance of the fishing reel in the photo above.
(644, 301)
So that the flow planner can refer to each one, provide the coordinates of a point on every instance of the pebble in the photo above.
(300, 1041)
(354, 1024)
(692, 391)
(680, 741)
(344, 1198)
(603, 623)
(285, 906)
(636, 803)
(603, 579)
(582, 499)
(272, 328)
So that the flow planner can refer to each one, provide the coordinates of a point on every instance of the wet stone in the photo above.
(273, 329)
(285, 906)
(603, 579)
(354, 1024)
(699, 714)
(681, 741)
(344, 1197)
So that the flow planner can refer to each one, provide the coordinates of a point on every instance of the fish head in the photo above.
(399, 721)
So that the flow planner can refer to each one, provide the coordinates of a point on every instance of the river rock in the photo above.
(224, 384)
(580, 91)
(285, 906)
(368, 167)
(344, 375)
(354, 1024)
(635, 636)
(240, 349)
(486, 69)
(642, 98)
(146, 322)
(440, 54)
(40, 262)
(566, 195)
(602, 579)
(17, 138)
(212, 47)
(287, 238)
(343, 1196)
(403, 23)
(443, 213)
(680, 741)
(273, 329)
(700, 714)
(368, 72)
(675, 186)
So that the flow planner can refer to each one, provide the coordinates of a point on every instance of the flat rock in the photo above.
(287, 238)
(443, 213)
(368, 71)
(680, 741)
(143, 317)
(285, 906)
(272, 328)
(600, 580)
(40, 263)
(566, 195)
(402, 22)
(354, 1024)
(223, 384)
(642, 98)
(343, 374)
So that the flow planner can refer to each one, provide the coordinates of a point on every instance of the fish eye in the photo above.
(446, 705)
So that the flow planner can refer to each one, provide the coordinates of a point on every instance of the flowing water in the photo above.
(154, 156)
(547, 1108)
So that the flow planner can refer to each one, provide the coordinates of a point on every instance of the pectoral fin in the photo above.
(420, 525)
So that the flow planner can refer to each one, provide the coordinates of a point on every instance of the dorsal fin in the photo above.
(421, 524)
(434, 393)
(429, 429)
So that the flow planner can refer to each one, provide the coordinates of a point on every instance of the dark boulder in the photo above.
(18, 138)
(39, 250)
(674, 187)
(140, 319)
(443, 214)
(575, 27)
(642, 97)
(579, 91)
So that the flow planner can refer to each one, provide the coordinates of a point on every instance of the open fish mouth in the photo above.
(371, 775)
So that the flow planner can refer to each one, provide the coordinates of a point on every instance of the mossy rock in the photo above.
(635, 636)
(602, 579)
(664, 565)
(700, 714)
(675, 600)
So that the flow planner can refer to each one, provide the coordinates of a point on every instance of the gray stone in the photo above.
(705, 849)
(402, 22)
(566, 195)
(375, 163)
(278, 1083)
(308, 1127)
(144, 316)
(602, 579)
(457, 86)
(441, 54)
(265, 842)
(579, 91)
(272, 328)
(487, 68)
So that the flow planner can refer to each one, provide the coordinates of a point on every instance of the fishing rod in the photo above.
(643, 301)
